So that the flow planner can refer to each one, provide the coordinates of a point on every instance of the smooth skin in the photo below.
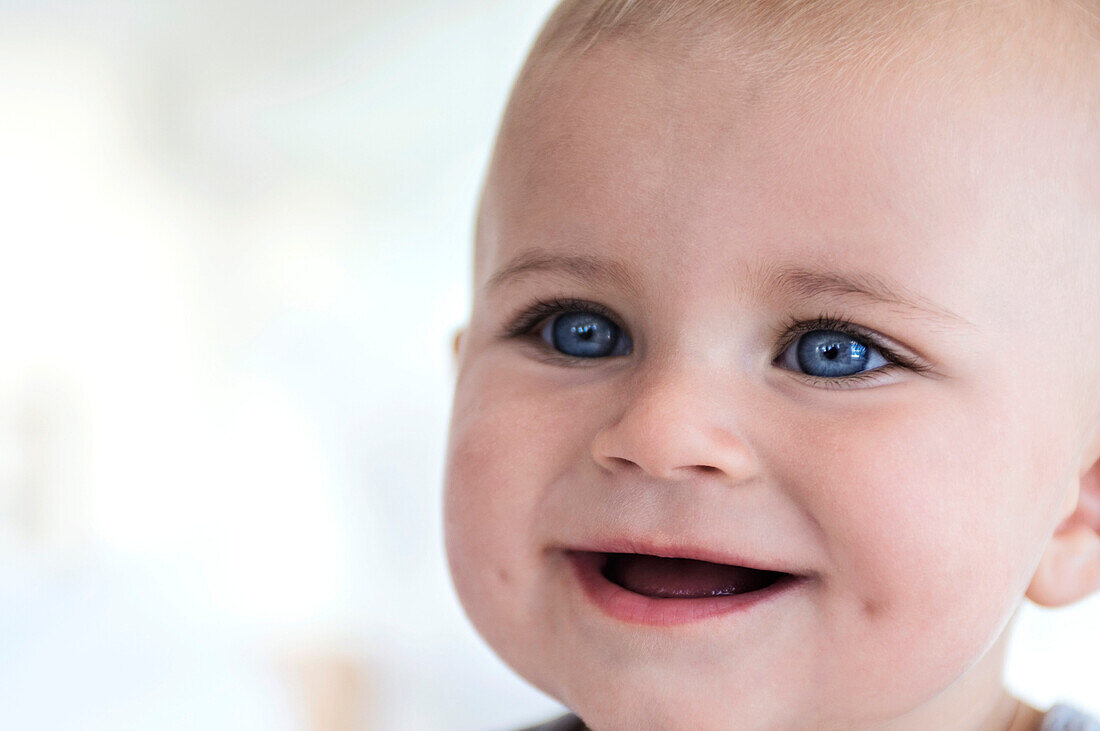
(922, 504)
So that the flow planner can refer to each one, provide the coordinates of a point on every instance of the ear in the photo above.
(456, 346)
(1070, 567)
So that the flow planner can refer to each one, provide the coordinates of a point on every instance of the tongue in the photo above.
(683, 578)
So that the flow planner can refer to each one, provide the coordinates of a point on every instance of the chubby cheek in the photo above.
(932, 517)
(507, 443)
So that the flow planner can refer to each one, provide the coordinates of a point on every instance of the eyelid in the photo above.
(793, 329)
(540, 310)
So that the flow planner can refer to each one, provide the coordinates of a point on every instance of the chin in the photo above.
(613, 706)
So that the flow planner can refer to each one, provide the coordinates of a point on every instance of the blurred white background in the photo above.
(234, 248)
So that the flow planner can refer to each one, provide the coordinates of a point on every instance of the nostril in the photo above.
(622, 462)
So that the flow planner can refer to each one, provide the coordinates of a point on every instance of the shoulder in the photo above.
(1066, 718)
(568, 722)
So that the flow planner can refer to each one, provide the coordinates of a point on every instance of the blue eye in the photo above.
(585, 335)
(830, 354)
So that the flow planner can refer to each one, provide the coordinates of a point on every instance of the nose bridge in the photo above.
(676, 420)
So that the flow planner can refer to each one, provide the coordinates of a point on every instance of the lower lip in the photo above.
(634, 608)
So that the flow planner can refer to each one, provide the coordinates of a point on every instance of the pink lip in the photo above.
(628, 606)
(626, 545)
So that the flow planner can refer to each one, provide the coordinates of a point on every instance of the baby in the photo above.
(781, 388)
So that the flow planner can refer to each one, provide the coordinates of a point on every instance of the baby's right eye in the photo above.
(574, 328)
(585, 334)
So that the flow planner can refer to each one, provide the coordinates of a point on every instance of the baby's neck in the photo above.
(1022, 717)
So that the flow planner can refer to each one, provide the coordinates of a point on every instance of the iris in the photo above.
(830, 354)
(585, 335)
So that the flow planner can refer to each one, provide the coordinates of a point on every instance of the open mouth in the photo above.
(682, 578)
(656, 590)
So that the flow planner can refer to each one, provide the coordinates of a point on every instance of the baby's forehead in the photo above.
(620, 106)
(900, 62)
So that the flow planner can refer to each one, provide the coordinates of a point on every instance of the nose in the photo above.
(673, 426)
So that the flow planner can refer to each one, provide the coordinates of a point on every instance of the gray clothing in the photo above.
(1059, 718)
(568, 722)
(1064, 718)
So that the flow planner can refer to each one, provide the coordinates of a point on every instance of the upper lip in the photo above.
(680, 550)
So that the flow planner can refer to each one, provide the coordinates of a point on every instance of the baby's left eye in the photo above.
(830, 354)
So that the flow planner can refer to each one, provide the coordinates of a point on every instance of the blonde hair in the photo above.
(777, 37)
(581, 23)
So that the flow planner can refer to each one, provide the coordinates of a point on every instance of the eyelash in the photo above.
(786, 334)
(792, 329)
(541, 310)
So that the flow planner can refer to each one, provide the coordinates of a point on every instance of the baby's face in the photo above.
(834, 339)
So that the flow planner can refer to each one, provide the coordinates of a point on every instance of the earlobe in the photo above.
(1070, 567)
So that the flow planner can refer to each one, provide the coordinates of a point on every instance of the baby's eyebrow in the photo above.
(800, 282)
(806, 282)
(584, 267)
